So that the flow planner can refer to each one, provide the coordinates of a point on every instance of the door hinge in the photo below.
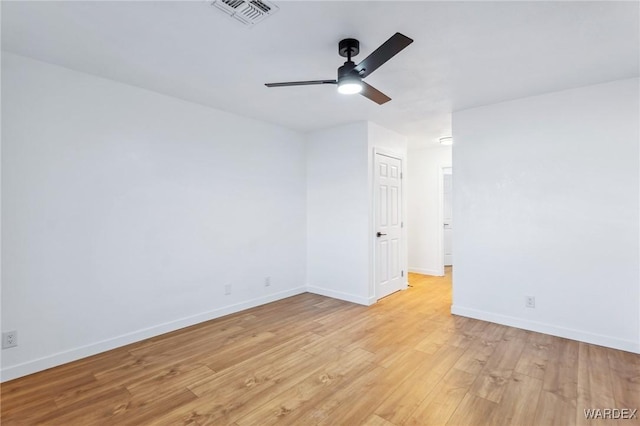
(402, 273)
(400, 175)
(401, 224)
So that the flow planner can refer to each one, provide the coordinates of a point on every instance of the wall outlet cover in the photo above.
(9, 339)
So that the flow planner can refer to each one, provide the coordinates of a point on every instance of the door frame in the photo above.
(373, 287)
(443, 171)
(440, 234)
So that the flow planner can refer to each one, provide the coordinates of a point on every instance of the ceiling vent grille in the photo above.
(249, 12)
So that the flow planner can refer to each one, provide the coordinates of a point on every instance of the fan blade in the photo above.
(301, 83)
(382, 54)
(374, 94)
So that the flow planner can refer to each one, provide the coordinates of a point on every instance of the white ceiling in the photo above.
(465, 53)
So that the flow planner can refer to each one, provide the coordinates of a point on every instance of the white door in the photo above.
(448, 216)
(388, 207)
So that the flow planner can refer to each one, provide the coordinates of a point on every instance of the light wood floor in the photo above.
(310, 360)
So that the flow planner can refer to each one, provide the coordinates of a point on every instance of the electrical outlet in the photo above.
(267, 281)
(227, 289)
(9, 339)
(530, 301)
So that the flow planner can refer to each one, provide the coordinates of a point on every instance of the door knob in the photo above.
(380, 234)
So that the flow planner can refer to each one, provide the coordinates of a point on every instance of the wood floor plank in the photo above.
(519, 403)
(625, 377)
(400, 404)
(595, 390)
(438, 407)
(345, 336)
(555, 410)
(561, 372)
(173, 379)
(146, 409)
(534, 359)
(497, 372)
(472, 410)
(250, 376)
(330, 409)
(377, 386)
(292, 403)
(27, 413)
(92, 410)
(236, 393)
(375, 420)
(135, 378)
(43, 385)
(475, 357)
(312, 360)
(256, 344)
(220, 336)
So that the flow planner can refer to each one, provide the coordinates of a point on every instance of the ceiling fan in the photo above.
(350, 75)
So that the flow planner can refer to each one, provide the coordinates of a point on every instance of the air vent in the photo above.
(249, 12)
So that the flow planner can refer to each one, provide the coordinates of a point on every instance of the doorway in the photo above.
(447, 216)
(388, 207)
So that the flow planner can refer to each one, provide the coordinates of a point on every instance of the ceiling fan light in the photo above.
(350, 85)
(350, 88)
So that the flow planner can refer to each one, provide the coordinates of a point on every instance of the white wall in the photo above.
(125, 212)
(425, 209)
(338, 212)
(383, 138)
(546, 200)
(340, 246)
(387, 141)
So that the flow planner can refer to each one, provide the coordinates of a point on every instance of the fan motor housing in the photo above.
(348, 69)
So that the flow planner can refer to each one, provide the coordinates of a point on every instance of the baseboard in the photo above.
(568, 333)
(19, 370)
(367, 301)
(424, 271)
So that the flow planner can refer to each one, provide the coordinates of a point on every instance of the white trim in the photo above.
(347, 297)
(554, 330)
(29, 367)
(440, 265)
(423, 271)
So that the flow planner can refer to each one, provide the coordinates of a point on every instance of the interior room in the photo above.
(249, 211)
